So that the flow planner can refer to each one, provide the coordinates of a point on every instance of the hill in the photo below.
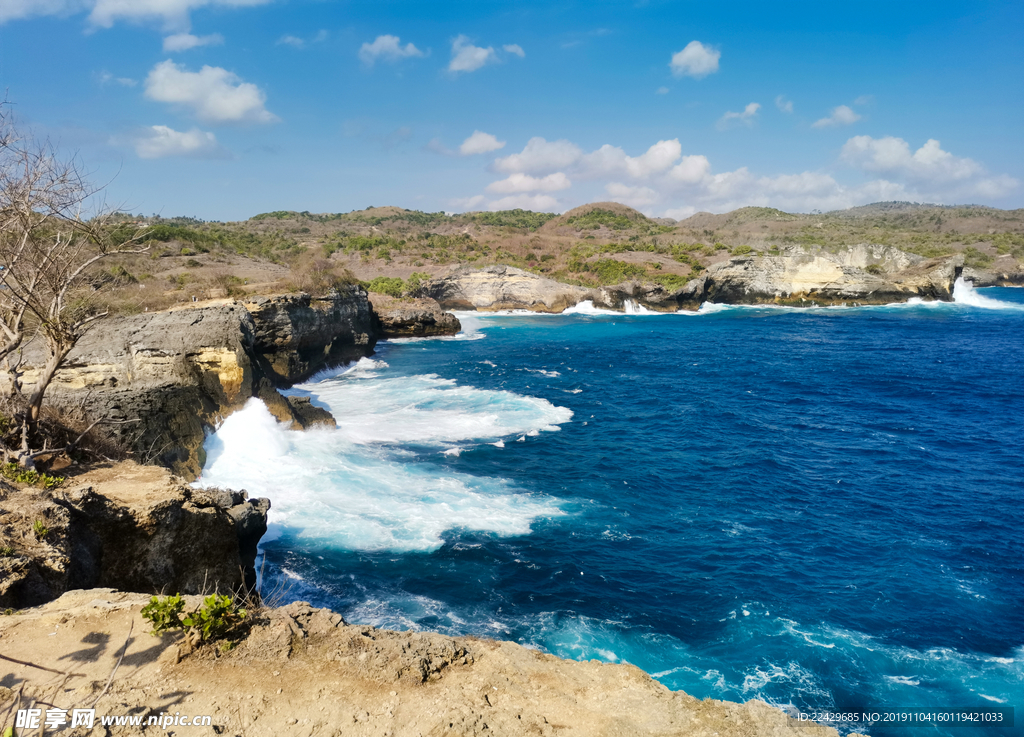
(600, 243)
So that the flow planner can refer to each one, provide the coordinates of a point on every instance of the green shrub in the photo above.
(875, 269)
(164, 614)
(6, 552)
(40, 529)
(217, 616)
(392, 286)
(13, 472)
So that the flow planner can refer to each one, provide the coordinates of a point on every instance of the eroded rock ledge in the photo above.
(304, 671)
(136, 528)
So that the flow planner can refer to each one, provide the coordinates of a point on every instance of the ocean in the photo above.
(820, 508)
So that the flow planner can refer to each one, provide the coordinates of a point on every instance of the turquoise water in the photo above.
(819, 508)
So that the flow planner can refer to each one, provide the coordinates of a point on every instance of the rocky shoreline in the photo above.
(864, 274)
(167, 378)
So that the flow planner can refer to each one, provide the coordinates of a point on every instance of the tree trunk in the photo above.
(35, 402)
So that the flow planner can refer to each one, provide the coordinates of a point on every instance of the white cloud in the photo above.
(747, 116)
(696, 60)
(293, 41)
(468, 58)
(864, 100)
(638, 197)
(842, 115)
(525, 183)
(185, 41)
(159, 141)
(661, 91)
(540, 156)
(783, 104)
(515, 49)
(175, 14)
(691, 170)
(18, 9)
(105, 78)
(480, 143)
(387, 48)
(892, 156)
(684, 184)
(613, 161)
(214, 94)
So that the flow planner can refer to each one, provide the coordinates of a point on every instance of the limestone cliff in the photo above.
(162, 380)
(802, 278)
(297, 335)
(137, 528)
(501, 288)
(414, 318)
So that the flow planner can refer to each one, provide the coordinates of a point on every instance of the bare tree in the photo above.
(50, 237)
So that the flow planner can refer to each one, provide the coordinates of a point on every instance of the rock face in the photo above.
(297, 335)
(169, 377)
(133, 527)
(501, 288)
(819, 278)
(418, 318)
(993, 277)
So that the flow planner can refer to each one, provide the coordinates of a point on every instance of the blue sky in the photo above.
(225, 108)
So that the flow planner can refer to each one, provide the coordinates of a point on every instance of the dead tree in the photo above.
(50, 236)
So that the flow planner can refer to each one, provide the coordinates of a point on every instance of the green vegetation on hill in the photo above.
(597, 217)
(524, 219)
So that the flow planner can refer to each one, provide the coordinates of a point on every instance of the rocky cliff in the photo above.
(162, 380)
(862, 274)
(800, 278)
(412, 318)
(501, 288)
(297, 335)
(137, 528)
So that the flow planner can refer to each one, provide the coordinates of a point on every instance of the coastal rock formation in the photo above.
(501, 288)
(134, 527)
(297, 335)
(161, 380)
(993, 277)
(800, 278)
(304, 671)
(413, 318)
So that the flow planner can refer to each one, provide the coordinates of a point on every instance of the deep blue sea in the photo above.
(821, 508)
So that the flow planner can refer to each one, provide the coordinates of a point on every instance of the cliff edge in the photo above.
(304, 671)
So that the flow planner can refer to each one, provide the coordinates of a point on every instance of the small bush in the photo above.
(217, 616)
(392, 286)
(164, 614)
(13, 472)
(40, 530)
(6, 552)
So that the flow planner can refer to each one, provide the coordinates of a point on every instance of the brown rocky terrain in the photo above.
(137, 528)
(304, 671)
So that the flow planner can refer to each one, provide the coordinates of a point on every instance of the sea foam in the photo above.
(347, 488)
